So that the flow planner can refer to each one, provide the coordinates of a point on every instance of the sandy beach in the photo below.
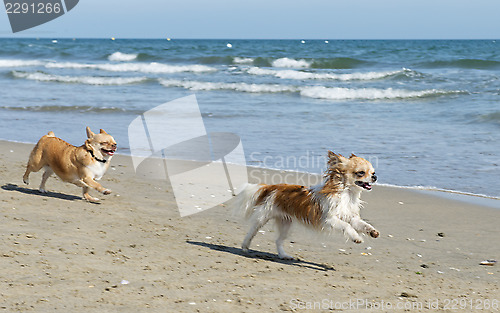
(134, 253)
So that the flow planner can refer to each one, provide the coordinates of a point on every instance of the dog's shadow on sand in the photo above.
(252, 254)
(29, 191)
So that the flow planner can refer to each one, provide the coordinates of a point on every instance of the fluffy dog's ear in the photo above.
(90, 134)
(353, 156)
(102, 132)
(335, 159)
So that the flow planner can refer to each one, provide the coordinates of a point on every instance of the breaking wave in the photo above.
(152, 67)
(291, 63)
(318, 63)
(301, 75)
(119, 56)
(87, 80)
(19, 63)
(242, 87)
(336, 93)
(317, 92)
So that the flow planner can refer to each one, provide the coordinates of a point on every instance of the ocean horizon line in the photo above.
(256, 39)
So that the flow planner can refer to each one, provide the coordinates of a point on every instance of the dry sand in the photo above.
(134, 253)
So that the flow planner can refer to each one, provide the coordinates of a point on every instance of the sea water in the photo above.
(425, 113)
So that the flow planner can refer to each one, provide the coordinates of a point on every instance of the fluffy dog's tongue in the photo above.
(364, 185)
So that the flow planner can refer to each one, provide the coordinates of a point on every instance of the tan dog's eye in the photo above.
(360, 173)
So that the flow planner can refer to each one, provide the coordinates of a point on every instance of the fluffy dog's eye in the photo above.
(360, 173)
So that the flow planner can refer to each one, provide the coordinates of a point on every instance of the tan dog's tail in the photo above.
(51, 134)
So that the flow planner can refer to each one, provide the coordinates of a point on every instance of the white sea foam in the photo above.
(291, 63)
(152, 67)
(88, 80)
(72, 65)
(336, 93)
(318, 92)
(19, 63)
(242, 87)
(301, 75)
(119, 56)
(239, 60)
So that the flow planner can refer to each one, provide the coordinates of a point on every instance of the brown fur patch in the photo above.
(294, 200)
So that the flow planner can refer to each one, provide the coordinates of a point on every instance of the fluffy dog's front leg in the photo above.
(336, 223)
(363, 227)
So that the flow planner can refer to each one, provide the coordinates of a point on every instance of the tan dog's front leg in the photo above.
(93, 184)
(86, 184)
(88, 197)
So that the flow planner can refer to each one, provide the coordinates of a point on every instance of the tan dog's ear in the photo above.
(88, 146)
(90, 134)
(103, 132)
(353, 156)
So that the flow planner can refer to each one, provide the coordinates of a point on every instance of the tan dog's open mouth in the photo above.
(108, 152)
(364, 185)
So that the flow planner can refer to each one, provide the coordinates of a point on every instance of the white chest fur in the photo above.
(346, 205)
(98, 169)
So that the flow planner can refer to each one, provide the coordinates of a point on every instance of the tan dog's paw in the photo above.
(374, 233)
(106, 192)
(91, 199)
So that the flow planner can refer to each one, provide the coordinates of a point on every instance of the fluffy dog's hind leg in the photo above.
(257, 224)
(283, 228)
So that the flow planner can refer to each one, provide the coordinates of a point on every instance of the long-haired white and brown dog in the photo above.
(333, 205)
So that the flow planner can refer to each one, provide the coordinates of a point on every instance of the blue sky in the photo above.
(313, 19)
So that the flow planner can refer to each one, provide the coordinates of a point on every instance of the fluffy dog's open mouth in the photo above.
(364, 185)
(108, 152)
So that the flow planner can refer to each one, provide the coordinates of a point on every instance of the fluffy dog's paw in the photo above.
(285, 256)
(357, 240)
(26, 181)
(374, 233)
(106, 192)
(42, 190)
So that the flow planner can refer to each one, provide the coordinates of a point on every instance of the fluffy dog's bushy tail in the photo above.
(244, 202)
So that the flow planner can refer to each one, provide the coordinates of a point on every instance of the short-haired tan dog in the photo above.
(81, 166)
